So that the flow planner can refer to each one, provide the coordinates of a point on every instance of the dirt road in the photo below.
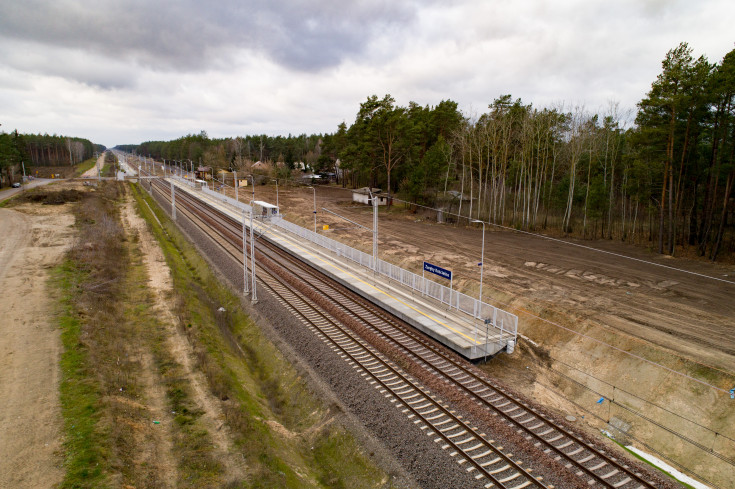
(94, 171)
(32, 241)
(7, 193)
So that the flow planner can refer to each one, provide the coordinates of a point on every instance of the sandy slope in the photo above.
(31, 242)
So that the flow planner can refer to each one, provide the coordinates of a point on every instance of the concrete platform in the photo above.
(470, 338)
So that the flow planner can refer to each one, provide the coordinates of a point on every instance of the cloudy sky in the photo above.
(127, 71)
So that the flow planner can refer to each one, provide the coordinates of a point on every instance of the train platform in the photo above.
(469, 337)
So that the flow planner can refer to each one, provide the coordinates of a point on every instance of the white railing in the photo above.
(184, 181)
(229, 200)
(499, 319)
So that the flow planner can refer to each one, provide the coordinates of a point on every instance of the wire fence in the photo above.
(504, 323)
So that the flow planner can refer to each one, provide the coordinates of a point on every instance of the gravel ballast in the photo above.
(410, 456)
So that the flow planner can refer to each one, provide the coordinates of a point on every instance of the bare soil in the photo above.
(690, 314)
(33, 240)
(92, 172)
(161, 284)
(676, 312)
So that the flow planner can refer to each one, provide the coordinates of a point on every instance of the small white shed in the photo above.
(264, 210)
(362, 195)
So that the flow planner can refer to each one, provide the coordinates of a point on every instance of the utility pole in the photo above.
(173, 201)
(244, 256)
(254, 297)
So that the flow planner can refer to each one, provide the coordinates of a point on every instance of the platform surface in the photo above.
(454, 329)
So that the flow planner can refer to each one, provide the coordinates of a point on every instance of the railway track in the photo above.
(473, 449)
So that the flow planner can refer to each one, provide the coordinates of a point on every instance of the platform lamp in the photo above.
(252, 180)
(481, 265)
(278, 206)
(314, 207)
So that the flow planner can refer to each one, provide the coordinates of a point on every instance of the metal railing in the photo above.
(504, 322)
(499, 319)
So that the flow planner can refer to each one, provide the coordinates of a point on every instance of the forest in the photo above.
(661, 176)
(25, 151)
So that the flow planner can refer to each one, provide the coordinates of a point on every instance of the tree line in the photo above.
(19, 150)
(238, 152)
(662, 175)
(667, 179)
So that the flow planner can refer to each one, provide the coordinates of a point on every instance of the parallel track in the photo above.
(593, 465)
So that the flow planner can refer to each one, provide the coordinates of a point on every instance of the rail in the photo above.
(503, 322)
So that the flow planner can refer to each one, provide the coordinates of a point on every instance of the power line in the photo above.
(537, 235)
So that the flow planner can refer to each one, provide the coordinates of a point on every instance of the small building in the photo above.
(311, 178)
(264, 210)
(362, 195)
(203, 173)
(226, 176)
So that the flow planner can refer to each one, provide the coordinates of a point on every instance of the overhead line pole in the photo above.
(254, 297)
(246, 291)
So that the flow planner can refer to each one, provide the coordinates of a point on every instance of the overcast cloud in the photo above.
(126, 71)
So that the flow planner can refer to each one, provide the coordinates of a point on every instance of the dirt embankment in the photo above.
(160, 284)
(675, 312)
(33, 240)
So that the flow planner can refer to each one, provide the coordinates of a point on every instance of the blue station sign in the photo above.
(428, 267)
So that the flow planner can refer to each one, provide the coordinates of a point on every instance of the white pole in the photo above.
(234, 182)
(173, 201)
(254, 297)
(244, 256)
(314, 207)
(375, 232)
(482, 263)
(423, 283)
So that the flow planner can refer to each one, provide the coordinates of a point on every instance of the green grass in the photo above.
(85, 165)
(651, 464)
(85, 446)
(259, 385)
(108, 324)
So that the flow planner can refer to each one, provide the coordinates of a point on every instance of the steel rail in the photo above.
(518, 419)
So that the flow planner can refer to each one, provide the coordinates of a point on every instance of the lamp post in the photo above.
(277, 206)
(252, 180)
(314, 208)
(481, 264)
(482, 258)
(374, 201)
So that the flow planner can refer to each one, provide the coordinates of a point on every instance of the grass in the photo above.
(108, 326)
(84, 166)
(257, 385)
(85, 460)
(647, 462)
(109, 166)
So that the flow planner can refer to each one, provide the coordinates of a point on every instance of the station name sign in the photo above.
(447, 274)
